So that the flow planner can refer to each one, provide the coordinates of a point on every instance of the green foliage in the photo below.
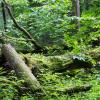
(52, 25)
(10, 87)
(43, 23)
(7, 86)
(55, 84)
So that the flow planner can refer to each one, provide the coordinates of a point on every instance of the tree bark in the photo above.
(4, 16)
(20, 67)
(76, 10)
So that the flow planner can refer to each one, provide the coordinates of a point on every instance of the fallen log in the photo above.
(94, 53)
(71, 61)
(64, 62)
(77, 89)
(20, 67)
(67, 61)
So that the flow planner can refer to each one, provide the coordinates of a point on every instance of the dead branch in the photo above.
(37, 47)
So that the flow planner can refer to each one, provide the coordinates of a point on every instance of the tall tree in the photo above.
(4, 16)
(76, 10)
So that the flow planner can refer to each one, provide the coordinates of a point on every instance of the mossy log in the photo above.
(20, 67)
(77, 89)
(72, 61)
(65, 62)
(94, 53)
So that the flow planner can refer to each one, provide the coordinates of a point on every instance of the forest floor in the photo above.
(57, 85)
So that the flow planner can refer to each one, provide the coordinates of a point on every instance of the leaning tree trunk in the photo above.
(20, 67)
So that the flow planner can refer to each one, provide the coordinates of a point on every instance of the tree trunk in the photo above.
(20, 67)
(4, 16)
(76, 10)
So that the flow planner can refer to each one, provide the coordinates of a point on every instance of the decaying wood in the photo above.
(94, 53)
(63, 62)
(20, 67)
(67, 61)
(77, 89)
(70, 61)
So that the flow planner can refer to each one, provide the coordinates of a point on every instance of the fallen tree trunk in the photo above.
(77, 89)
(20, 67)
(64, 62)
(71, 61)
(67, 61)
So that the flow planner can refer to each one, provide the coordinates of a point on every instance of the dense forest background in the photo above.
(61, 38)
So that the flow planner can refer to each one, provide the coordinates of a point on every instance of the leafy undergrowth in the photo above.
(55, 84)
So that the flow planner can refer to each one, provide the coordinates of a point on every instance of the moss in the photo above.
(54, 83)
